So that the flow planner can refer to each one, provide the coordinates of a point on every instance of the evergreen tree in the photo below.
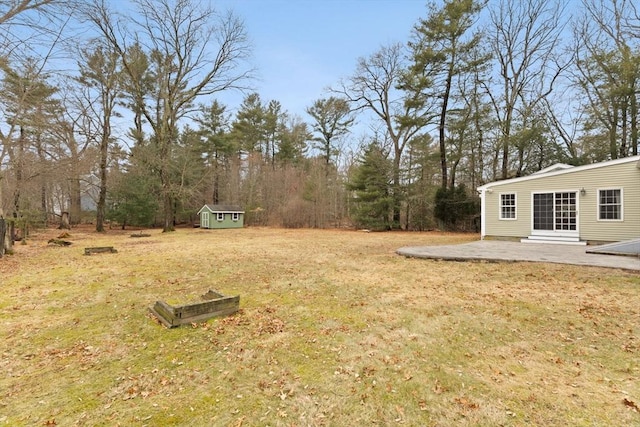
(293, 145)
(132, 200)
(101, 78)
(217, 146)
(442, 51)
(372, 198)
(454, 207)
(333, 119)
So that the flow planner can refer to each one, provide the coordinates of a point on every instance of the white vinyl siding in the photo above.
(508, 203)
(610, 205)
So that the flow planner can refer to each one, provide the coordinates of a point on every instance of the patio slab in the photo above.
(500, 251)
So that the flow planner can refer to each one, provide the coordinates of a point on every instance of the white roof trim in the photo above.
(557, 166)
(217, 211)
(562, 171)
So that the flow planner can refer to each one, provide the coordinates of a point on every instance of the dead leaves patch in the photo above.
(466, 403)
(263, 321)
(86, 355)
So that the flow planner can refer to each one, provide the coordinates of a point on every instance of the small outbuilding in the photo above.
(594, 203)
(221, 216)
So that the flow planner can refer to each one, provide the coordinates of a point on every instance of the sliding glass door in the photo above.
(555, 213)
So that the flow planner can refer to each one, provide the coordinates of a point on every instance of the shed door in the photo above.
(204, 220)
(555, 214)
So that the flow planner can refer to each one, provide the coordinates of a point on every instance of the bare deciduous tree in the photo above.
(524, 36)
(100, 77)
(608, 72)
(194, 52)
(372, 88)
(14, 14)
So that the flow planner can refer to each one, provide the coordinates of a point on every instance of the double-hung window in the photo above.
(610, 204)
(508, 206)
(235, 216)
(220, 216)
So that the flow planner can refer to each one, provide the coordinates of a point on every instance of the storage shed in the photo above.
(221, 216)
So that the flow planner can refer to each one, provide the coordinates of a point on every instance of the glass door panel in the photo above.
(555, 212)
(543, 211)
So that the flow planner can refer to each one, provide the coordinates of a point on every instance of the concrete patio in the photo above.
(501, 251)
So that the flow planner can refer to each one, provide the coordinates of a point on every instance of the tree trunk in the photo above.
(506, 136)
(3, 233)
(75, 208)
(396, 188)
(624, 138)
(441, 128)
(102, 197)
(613, 134)
(634, 124)
(17, 209)
(216, 179)
(64, 221)
(167, 204)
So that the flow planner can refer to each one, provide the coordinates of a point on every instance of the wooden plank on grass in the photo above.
(215, 305)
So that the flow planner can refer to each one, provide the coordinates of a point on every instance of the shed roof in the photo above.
(223, 208)
(561, 169)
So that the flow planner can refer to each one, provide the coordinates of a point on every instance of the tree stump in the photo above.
(59, 242)
(64, 221)
(141, 235)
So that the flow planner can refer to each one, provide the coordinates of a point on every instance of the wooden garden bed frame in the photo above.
(100, 250)
(215, 305)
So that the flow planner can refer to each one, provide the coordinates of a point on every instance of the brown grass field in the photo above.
(335, 329)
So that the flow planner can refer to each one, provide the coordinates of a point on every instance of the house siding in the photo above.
(625, 176)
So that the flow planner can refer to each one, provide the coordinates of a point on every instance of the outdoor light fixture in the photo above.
(583, 191)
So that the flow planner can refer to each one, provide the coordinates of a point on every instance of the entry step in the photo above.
(556, 240)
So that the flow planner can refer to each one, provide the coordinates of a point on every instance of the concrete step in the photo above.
(554, 240)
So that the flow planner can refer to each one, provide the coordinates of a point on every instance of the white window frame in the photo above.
(501, 206)
(235, 216)
(556, 231)
(621, 205)
(220, 216)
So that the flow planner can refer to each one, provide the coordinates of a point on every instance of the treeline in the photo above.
(133, 132)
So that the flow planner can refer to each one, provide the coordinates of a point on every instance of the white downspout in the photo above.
(483, 216)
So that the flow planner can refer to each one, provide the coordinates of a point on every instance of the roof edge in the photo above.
(561, 172)
(222, 208)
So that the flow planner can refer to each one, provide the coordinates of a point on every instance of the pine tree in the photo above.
(372, 198)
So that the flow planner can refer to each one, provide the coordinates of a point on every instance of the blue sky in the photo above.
(303, 46)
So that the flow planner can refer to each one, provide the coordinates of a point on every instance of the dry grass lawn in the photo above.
(335, 329)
